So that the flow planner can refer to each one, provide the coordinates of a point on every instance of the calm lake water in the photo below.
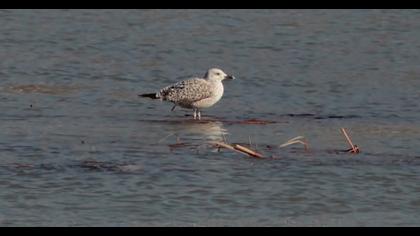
(78, 147)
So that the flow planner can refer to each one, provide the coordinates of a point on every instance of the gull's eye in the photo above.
(217, 73)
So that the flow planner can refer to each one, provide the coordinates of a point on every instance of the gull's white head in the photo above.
(217, 74)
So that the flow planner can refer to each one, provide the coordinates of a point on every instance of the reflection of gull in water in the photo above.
(202, 131)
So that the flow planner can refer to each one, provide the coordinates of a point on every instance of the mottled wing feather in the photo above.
(187, 91)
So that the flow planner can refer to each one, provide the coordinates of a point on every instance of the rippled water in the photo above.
(79, 148)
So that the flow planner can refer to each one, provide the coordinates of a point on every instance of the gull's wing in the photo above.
(187, 91)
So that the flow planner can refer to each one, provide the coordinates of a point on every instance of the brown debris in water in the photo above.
(22, 165)
(180, 145)
(42, 88)
(110, 166)
(254, 122)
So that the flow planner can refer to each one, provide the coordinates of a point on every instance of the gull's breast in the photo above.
(217, 94)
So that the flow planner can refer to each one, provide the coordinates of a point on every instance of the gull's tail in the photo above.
(150, 95)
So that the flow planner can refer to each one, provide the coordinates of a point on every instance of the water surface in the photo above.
(79, 148)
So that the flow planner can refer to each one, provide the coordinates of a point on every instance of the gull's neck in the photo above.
(213, 80)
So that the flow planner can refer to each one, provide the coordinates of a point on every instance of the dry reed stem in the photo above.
(248, 151)
(240, 149)
(225, 145)
(354, 148)
(296, 140)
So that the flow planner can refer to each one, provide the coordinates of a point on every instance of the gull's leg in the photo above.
(199, 114)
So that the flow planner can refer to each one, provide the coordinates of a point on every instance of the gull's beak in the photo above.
(230, 77)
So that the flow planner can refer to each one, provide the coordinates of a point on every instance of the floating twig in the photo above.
(296, 140)
(225, 145)
(240, 149)
(247, 151)
(354, 148)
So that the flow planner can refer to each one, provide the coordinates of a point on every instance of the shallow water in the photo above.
(79, 148)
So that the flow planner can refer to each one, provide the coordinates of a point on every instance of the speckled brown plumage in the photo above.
(186, 92)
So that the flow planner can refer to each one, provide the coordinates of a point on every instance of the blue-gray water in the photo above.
(78, 147)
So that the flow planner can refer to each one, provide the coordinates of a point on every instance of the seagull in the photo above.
(195, 93)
